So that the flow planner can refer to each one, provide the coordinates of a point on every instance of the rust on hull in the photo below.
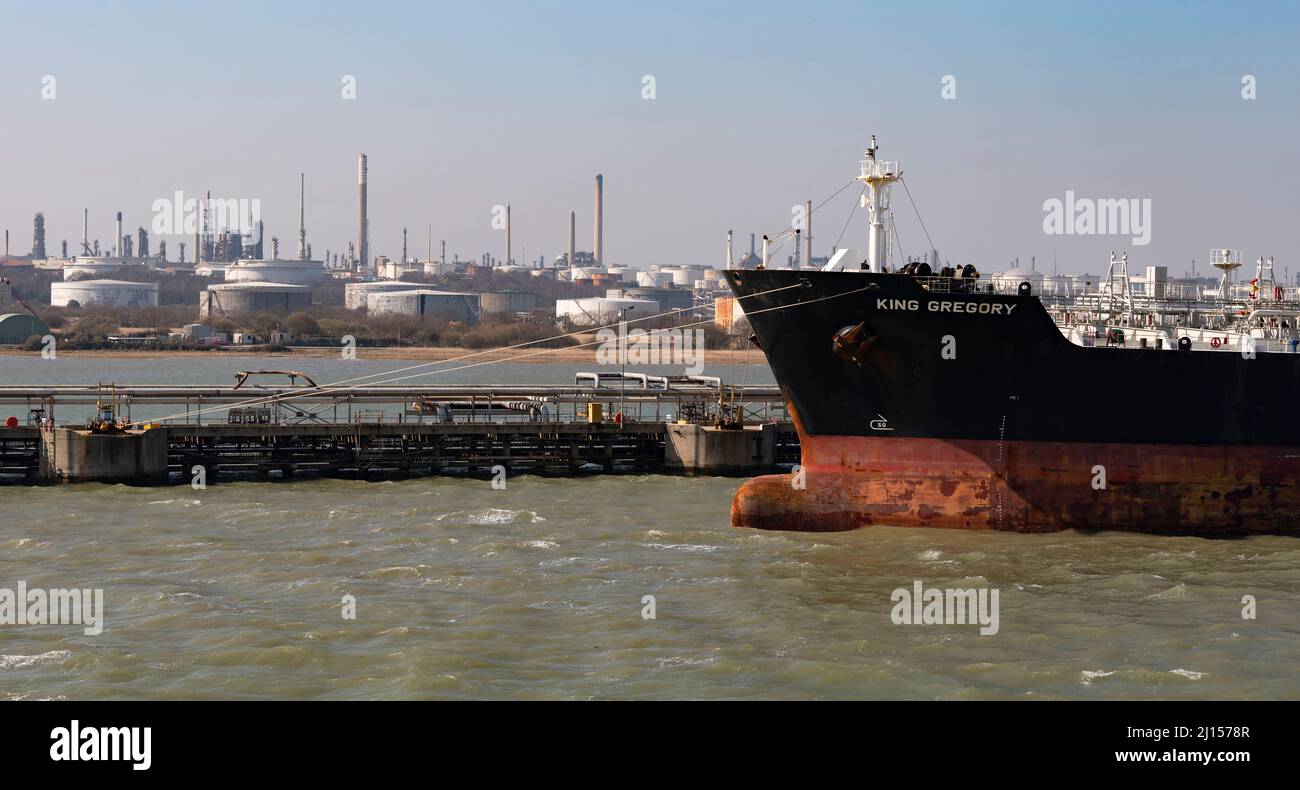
(851, 481)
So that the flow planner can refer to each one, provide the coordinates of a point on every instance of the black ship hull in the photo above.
(941, 405)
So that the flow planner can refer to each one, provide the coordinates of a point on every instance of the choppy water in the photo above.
(536, 591)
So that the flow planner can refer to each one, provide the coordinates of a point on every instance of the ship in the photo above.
(928, 398)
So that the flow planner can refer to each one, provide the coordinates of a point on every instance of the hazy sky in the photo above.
(758, 106)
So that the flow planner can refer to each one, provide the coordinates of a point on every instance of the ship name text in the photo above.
(946, 306)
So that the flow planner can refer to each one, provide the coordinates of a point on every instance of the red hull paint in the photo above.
(857, 481)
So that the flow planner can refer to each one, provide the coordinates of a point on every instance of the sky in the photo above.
(756, 107)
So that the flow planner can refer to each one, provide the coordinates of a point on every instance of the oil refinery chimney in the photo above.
(363, 243)
(38, 238)
(117, 240)
(573, 221)
(508, 251)
(85, 231)
(302, 217)
(599, 251)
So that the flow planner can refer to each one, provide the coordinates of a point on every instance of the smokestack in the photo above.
(573, 221)
(599, 252)
(751, 244)
(764, 251)
(38, 237)
(85, 231)
(807, 233)
(363, 243)
(6, 242)
(403, 249)
(730, 259)
(302, 217)
(508, 258)
(117, 246)
(198, 245)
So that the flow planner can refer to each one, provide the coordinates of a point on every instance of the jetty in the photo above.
(610, 422)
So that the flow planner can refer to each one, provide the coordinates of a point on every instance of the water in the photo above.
(536, 591)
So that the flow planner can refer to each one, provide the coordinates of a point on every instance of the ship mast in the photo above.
(877, 175)
(1226, 261)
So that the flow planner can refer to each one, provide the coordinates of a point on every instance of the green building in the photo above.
(15, 328)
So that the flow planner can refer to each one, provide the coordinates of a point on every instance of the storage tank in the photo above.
(424, 303)
(507, 302)
(354, 294)
(256, 297)
(625, 274)
(667, 298)
(113, 293)
(436, 268)
(275, 271)
(597, 311)
(653, 279)
(99, 267)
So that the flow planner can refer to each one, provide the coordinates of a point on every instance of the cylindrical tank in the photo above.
(275, 271)
(256, 297)
(354, 294)
(114, 293)
(423, 303)
(507, 302)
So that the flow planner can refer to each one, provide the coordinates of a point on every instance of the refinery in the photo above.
(456, 351)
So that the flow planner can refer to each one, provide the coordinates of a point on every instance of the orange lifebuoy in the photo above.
(1214, 342)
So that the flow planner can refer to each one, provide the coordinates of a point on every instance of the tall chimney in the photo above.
(85, 231)
(363, 243)
(117, 243)
(573, 221)
(403, 249)
(599, 252)
(751, 244)
(508, 253)
(765, 251)
(730, 260)
(38, 236)
(807, 233)
(302, 217)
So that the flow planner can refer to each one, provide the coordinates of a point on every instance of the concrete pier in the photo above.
(706, 449)
(74, 455)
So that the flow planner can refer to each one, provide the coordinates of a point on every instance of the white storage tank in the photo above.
(423, 303)
(113, 293)
(354, 294)
(598, 311)
(102, 267)
(275, 271)
(657, 279)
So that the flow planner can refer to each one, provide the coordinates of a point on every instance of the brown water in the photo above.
(535, 591)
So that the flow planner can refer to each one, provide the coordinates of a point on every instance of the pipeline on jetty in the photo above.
(608, 421)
